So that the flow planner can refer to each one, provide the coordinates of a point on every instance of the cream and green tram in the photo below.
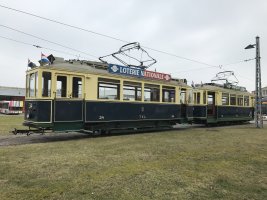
(84, 95)
(222, 104)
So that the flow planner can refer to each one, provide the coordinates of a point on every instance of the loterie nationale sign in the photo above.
(137, 72)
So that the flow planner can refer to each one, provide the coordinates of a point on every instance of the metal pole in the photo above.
(258, 93)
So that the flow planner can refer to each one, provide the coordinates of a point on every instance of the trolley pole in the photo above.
(258, 92)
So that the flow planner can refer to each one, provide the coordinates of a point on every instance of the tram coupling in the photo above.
(28, 131)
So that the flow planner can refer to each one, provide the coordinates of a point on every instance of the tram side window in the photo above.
(77, 87)
(46, 84)
(151, 92)
(198, 98)
(132, 91)
(225, 99)
(246, 100)
(61, 86)
(240, 100)
(168, 94)
(108, 89)
(31, 84)
(232, 99)
(183, 96)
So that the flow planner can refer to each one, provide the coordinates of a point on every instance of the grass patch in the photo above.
(9, 122)
(199, 163)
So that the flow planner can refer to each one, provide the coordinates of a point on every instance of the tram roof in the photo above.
(92, 67)
(214, 88)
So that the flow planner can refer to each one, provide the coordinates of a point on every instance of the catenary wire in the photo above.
(37, 46)
(104, 35)
(34, 36)
(118, 39)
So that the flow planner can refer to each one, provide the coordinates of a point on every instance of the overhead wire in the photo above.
(37, 46)
(37, 37)
(104, 35)
(64, 24)
(113, 38)
(246, 60)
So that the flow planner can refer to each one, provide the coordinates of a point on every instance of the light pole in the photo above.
(258, 93)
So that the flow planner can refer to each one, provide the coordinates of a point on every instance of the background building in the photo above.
(264, 100)
(16, 98)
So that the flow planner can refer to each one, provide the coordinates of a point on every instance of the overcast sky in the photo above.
(210, 31)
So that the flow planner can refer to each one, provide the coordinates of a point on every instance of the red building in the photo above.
(12, 94)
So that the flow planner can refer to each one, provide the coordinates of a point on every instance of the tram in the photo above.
(224, 104)
(99, 97)
(11, 107)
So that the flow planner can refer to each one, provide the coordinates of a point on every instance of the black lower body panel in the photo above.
(124, 114)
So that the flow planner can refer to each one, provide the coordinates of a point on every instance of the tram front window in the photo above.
(32, 84)
(46, 84)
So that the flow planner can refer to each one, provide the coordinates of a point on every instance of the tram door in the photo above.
(69, 101)
(211, 104)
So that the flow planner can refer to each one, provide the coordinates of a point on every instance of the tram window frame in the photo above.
(225, 99)
(151, 92)
(190, 97)
(246, 100)
(183, 96)
(77, 87)
(46, 84)
(233, 100)
(111, 85)
(36, 84)
(134, 89)
(27, 85)
(63, 86)
(168, 94)
(205, 97)
(240, 100)
(32, 85)
(196, 98)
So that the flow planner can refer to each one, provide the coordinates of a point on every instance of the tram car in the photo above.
(92, 96)
(223, 104)
(11, 107)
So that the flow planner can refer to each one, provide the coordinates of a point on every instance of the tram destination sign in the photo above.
(137, 72)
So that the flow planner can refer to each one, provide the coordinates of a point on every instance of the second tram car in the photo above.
(224, 104)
